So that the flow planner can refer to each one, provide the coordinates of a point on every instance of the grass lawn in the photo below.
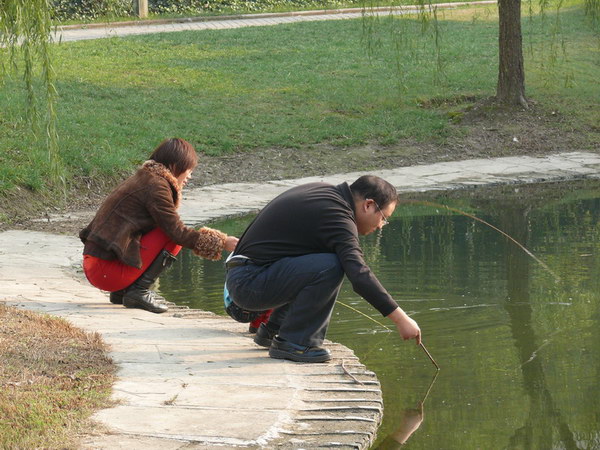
(288, 86)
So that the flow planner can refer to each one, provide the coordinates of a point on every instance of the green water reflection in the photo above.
(519, 351)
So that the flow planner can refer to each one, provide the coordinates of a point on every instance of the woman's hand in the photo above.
(407, 327)
(230, 243)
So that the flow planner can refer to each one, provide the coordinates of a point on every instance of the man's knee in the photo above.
(331, 266)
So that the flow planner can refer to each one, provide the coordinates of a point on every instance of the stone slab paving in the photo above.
(190, 378)
(196, 380)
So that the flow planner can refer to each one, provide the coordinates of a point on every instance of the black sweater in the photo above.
(314, 218)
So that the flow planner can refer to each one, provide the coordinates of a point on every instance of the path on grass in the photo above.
(99, 31)
(191, 379)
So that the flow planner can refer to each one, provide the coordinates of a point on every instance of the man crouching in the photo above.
(292, 258)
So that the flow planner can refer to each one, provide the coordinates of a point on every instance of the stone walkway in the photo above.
(189, 379)
(192, 379)
(99, 31)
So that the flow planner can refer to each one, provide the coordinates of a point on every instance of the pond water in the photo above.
(518, 342)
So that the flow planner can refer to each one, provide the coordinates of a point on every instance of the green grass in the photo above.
(286, 86)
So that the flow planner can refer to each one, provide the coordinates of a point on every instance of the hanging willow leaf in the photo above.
(25, 30)
(592, 10)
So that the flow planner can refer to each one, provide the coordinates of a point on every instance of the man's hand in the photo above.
(407, 327)
(230, 243)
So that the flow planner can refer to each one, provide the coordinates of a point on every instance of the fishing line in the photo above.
(363, 314)
(521, 246)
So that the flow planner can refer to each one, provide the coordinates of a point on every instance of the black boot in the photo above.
(139, 295)
(116, 297)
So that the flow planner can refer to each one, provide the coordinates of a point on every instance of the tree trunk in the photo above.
(511, 73)
(140, 8)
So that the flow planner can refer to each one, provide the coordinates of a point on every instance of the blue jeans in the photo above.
(301, 290)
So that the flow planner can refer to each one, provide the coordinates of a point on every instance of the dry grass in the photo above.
(52, 377)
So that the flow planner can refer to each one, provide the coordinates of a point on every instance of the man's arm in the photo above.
(407, 327)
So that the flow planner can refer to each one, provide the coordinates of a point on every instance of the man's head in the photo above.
(374, 202)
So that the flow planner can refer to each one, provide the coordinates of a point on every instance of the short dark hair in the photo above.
(176, 154)
(375, 188)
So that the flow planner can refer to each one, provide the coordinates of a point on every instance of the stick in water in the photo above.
(429, 355)
(387, 328)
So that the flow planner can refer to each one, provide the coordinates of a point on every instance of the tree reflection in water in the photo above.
(539, 429)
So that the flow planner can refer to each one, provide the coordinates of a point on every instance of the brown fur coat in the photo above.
(146, 200)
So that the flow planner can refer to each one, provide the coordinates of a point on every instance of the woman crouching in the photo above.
(137, 231)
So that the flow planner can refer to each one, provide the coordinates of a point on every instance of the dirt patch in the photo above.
(479, 130)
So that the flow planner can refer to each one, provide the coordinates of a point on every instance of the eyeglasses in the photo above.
(385, 219)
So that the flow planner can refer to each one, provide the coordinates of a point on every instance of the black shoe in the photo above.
(252, 329)
(264, 335)
(117, 297)
(141, 298)
(139, 295)
(281, 349)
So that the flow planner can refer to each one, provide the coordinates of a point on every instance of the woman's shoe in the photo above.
(116, 297)
(139, 295)
(142, 298)
(282, 349)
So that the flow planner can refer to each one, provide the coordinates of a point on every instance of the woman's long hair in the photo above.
(178, 155)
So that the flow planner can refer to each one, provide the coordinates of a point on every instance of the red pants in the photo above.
(114, 275)
(263, 318)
